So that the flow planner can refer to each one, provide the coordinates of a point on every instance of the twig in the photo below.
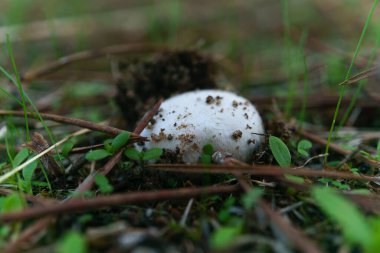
(76, 205)
(73, 121)
(257, 170)
(86, 148)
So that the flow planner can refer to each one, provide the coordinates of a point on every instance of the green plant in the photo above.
(342, 88)
(67, 147)
(232, 226)
(361, 84)
(356, 229)
(72, 242)
(149, 154)
(250, 198)
(225, 236)
(97, 154)
(103, 184)
(303, 148)
(110, 147)
(333, 182)
(206, 156)
(280, 151)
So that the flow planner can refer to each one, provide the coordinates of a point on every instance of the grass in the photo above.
(342, 88)
(306, 88)
(20, 88)
(361, 84)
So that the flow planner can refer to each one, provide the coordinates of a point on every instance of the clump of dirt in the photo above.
(163, 75)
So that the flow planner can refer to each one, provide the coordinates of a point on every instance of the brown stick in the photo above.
(73, 121)
(76, 205)
(257, 170)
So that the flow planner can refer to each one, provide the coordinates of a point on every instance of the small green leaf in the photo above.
(353, 223)
(303, 147)
(11, 203)
(206, 159)
(107, 145)
(224, 213)
(133, 154)
(120, 140)
(208, 149)
(98, 154)
(28, 171)
(20, 157)
(153, 153)
(72, 242)
(280, 151)
(225, 236)
(360, 191)
(67, 147)
(295, 179)
(103, 183)
(251, 197)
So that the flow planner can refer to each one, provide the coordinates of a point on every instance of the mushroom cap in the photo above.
(187, 122)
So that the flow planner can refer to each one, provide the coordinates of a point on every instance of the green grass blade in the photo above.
(305, 79)
(19, 86)
(342, 88)
(361, 83)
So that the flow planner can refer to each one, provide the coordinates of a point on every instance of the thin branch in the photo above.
(73, 121)
(257, 170)
(77, 205)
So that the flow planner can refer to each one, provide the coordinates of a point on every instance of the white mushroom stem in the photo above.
(187, 122)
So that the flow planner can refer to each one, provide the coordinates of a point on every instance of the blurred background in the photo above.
(265, 49)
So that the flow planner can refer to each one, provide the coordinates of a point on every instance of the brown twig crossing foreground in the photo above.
(258, 170)
(76, 205)
(73, 121)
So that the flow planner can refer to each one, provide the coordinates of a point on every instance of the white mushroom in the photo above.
(187, 122)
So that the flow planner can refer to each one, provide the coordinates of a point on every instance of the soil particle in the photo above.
(210, 100)
(237, 135)
(251, 141)
(159, 137)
